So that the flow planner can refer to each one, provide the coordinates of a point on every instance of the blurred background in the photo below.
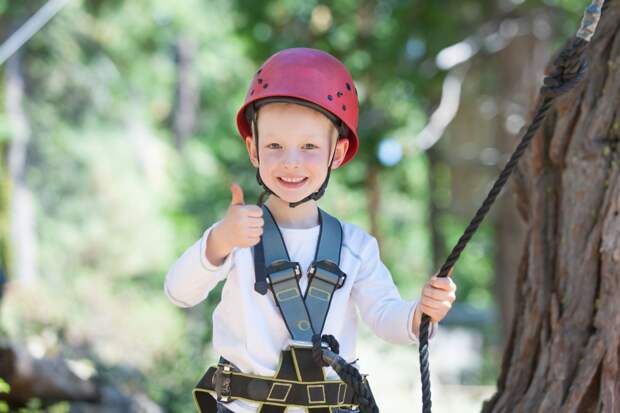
(118, 147)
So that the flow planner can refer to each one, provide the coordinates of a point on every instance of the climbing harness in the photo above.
(568, 69)
(307, 77)
(299, 379)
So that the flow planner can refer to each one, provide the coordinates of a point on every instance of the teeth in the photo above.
(292, 180)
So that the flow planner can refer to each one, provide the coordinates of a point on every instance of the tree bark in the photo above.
(563, 350)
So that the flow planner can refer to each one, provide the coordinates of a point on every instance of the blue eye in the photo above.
(273, 146)
(310, 146)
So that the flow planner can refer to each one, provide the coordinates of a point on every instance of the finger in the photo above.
(254, 211)
(253, 240)
(253, 221)
(432, 313)
(255, 232)
(237, 194)
(444, 301)
(445, 283)
(430, 303)
(442, 283)
(436, 294)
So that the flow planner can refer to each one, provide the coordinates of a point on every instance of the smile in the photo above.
(292, 182)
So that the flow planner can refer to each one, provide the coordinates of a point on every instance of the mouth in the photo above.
(292, 183)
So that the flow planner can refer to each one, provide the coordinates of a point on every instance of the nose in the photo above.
(292, 158)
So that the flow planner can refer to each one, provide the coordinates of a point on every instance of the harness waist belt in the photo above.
(225, 383)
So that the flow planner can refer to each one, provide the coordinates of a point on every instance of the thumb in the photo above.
(237, 194)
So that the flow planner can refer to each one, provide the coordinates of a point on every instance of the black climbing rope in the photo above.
(325, 353)
(568, 69)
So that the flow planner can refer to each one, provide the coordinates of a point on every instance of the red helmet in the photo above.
(311, 76)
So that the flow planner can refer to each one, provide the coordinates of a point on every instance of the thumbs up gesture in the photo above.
(243, 224)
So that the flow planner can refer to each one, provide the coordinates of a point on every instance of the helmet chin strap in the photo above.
(315, 195)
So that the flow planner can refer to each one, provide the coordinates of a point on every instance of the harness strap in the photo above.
(324, 274)
(294, 385)
(303, 316)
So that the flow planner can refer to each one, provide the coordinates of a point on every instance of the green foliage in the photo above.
(4, 388)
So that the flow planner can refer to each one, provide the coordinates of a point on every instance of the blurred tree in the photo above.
(185, 105)
(22, 210)
(563, 350)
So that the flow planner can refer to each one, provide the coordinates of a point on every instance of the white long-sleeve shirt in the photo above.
(248, 328)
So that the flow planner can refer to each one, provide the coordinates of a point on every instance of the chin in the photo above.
(290, 197)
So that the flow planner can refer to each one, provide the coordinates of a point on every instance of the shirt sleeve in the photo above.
(192, 276)
(379, 302)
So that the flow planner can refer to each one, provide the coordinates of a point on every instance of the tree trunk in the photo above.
(438, 245)
(373, 194)
(562, 354)
(22, 211)
(185, 105)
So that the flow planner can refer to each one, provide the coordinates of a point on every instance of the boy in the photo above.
(274, 254)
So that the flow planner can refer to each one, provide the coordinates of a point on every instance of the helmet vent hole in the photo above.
(266, 85)
(260, 81)
(330, 97)
(348, 86)
(251, 92)
(344, 107)
(339, 94)
(259, 70)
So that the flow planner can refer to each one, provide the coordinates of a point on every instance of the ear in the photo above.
(251, 147)
(341, 150)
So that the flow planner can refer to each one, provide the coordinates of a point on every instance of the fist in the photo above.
(438, 295)
(243, 224)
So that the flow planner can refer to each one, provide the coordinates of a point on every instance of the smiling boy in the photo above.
(299, 122)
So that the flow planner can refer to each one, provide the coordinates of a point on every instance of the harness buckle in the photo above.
(330, 273)
(300, 344)
(282, 270)
(221, 380)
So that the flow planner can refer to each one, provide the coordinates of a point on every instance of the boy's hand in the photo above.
(243, 224)
(438, 295)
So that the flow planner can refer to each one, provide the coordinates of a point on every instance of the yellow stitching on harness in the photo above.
(273, 387)
(310, 399)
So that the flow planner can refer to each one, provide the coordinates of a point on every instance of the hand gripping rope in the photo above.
(568, 69)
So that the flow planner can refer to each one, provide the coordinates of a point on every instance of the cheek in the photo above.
(316, 158)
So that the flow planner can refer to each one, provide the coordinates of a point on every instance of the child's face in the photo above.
(296, 143)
